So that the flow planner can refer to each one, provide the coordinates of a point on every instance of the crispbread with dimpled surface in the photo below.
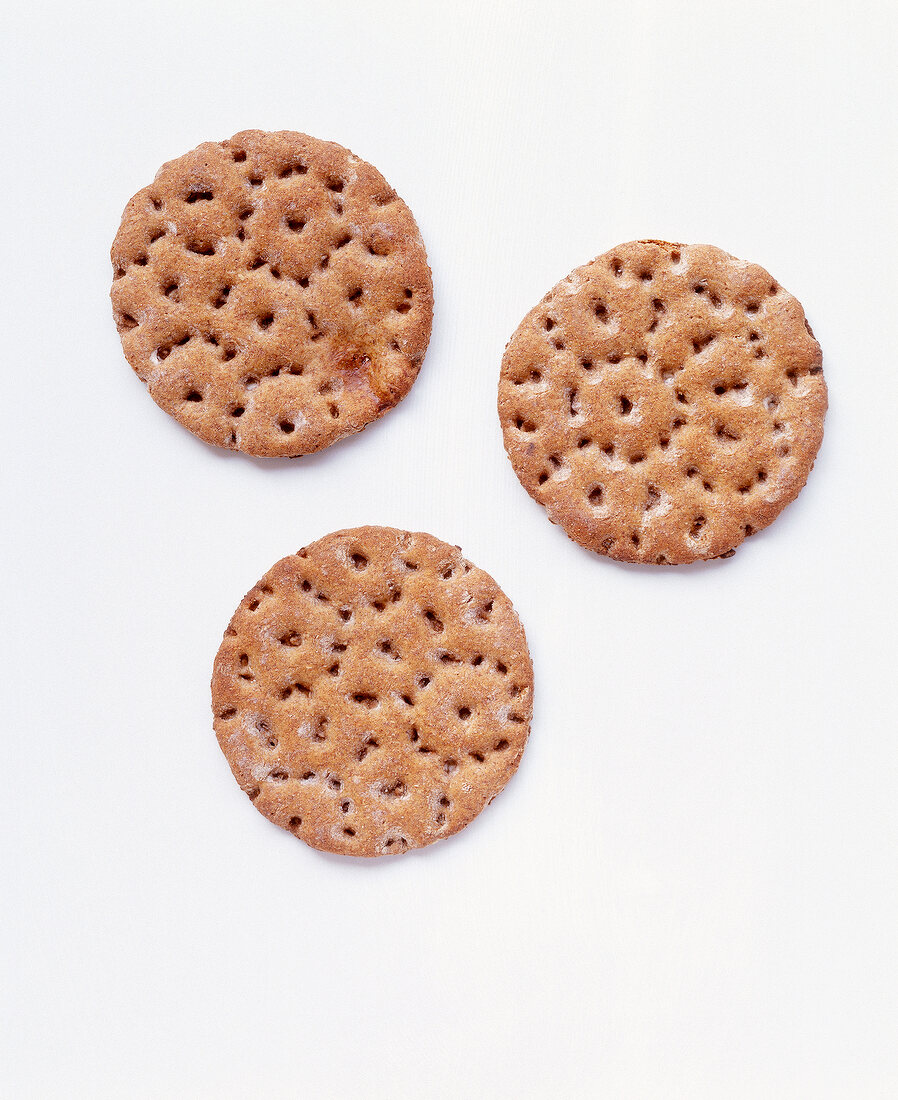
(663, 402)
(373, 692)
(272, 291)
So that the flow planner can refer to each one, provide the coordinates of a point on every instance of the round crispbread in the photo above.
(373, 692)
(272, 291)
(663, 402)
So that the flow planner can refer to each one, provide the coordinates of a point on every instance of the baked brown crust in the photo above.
(373, 692)
(272, 291)
(663, 402)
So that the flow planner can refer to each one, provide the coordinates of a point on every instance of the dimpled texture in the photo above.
(272, 291)
(373, 692)
(663, 402)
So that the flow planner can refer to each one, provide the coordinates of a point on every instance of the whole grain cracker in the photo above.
(272, 291)
(373, 692)
(663, 402)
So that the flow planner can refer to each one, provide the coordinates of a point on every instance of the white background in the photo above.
(689, 888)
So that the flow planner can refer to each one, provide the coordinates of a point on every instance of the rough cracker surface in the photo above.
(373, 692)
(663, 402)
(272, 291)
